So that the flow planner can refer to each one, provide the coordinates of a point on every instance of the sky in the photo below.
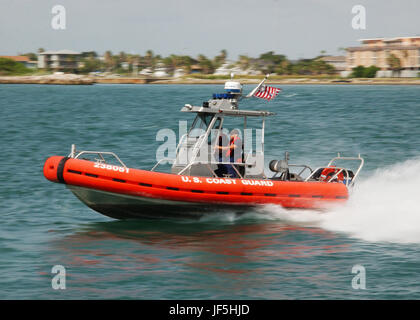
(296, 28)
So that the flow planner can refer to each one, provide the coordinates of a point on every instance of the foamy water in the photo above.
(382, 207)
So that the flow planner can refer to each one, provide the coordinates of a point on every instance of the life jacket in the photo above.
(230, 150)
(329, 172)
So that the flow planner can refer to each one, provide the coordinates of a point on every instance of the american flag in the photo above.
(267, 93)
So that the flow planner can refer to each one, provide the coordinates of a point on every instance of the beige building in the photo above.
(377, 51)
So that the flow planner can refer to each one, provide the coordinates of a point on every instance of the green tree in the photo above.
(149, 59)
(220, 59)
(205, 64)
(115, 62)
(90, 64)
(186, 62)
(363, 72)
(89, 54)
(394, 62)
(370, 72)
(283, 68)
(314, 66)
(109, 62)
(244, 62)
(11, 67)
(122, 57)
(172, 62)
(358, 72)
(269, 61)
(32, 56)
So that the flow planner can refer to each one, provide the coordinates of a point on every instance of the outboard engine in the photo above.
(281, 166)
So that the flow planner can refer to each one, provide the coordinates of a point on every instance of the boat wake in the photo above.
(290, 95)
(382, 208)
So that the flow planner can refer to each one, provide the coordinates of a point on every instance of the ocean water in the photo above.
(267, 253)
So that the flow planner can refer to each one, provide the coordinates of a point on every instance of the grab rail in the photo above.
(348, 181)
(76, 154)
(160, 161)
(358, 158)
(304, 166)
(234, 164)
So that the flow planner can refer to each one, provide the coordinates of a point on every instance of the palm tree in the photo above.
(149, 57)
(122, 56)
(205, 64)
(172, 62)
(221, 58)
(134, 60)
(244, 62)
(108, 60)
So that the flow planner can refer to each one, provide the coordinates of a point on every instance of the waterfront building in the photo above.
(160, 71)
(125, 65)
(62, 60)
(338, 62)
(146, 72)
(180, 72)
(195, 68)
(377, 52)
(230, 67)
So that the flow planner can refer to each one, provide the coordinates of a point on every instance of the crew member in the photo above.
(220, 155)
(233, 153)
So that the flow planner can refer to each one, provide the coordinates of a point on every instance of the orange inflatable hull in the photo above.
(121, 192)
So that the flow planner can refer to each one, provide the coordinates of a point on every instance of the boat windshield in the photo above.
(200, 125)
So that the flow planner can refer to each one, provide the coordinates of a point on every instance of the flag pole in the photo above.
(257, 87)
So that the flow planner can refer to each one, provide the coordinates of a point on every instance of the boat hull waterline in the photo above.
(125, 193)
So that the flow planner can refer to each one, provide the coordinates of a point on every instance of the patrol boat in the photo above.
(198, 182)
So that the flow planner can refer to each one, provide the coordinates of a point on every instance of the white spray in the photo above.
(382, 207)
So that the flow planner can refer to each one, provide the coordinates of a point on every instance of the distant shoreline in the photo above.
(302, 81)
(71, 79)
